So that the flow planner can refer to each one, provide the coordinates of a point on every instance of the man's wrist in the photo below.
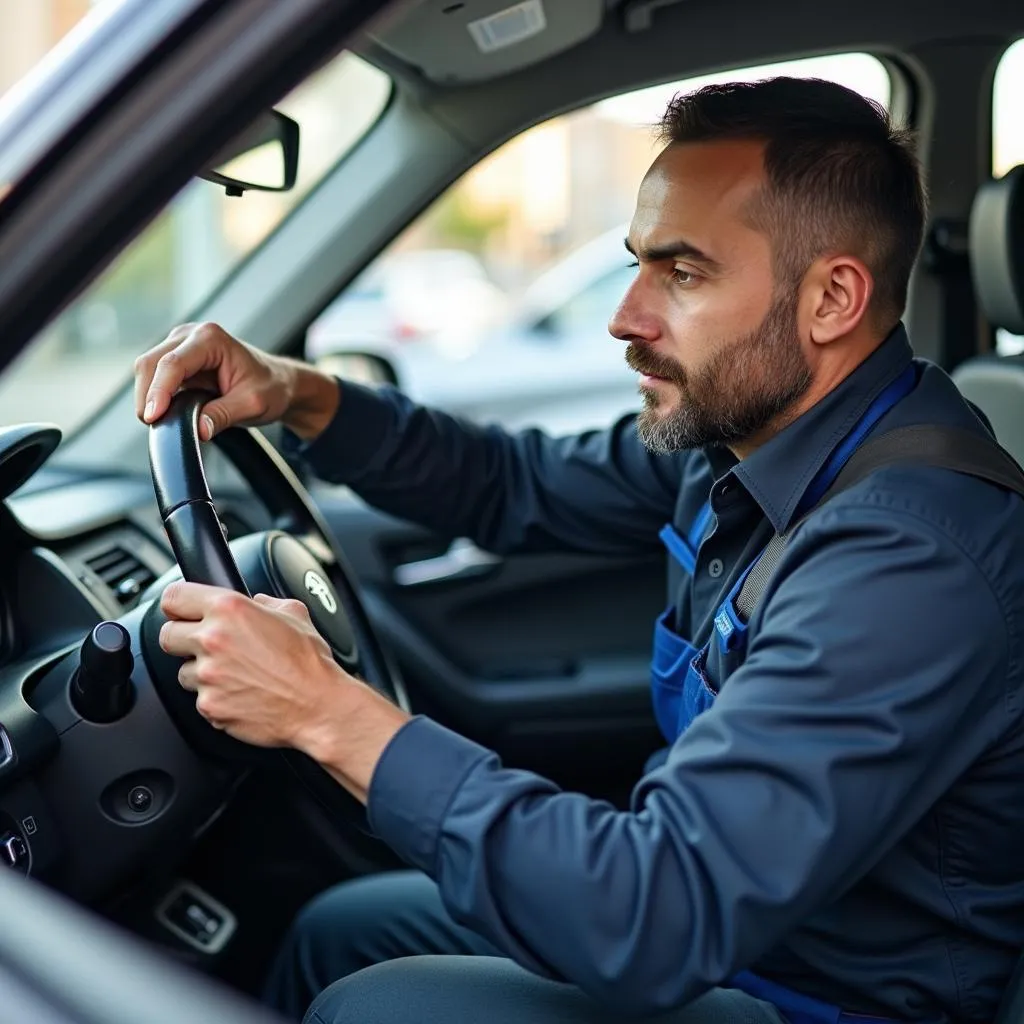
(313, 401)
(354, 728)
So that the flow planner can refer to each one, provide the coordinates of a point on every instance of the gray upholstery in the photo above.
(996, 384)
(997, 250)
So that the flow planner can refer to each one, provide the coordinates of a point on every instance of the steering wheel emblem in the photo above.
(317, 586)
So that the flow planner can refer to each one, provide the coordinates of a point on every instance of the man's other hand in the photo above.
(254, 388)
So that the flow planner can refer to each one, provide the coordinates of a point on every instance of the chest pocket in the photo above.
(684, 677)
(680, 688)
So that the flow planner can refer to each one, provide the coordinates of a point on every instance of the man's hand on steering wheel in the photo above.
(262, 672)
(254, 388)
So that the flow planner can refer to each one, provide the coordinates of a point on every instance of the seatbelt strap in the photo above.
(926, 444)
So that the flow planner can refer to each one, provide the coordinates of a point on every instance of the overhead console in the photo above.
(451, 42)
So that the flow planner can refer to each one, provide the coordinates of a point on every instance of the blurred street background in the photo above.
(521, 257)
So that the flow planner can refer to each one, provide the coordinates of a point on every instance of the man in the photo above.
(836, 826)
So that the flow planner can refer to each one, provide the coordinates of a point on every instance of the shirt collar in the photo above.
(778, 473)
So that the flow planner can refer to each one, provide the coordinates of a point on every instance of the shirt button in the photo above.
(715, 568)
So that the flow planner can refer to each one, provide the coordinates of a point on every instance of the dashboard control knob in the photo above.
(140, 799)
(101, 689)
(13, 851)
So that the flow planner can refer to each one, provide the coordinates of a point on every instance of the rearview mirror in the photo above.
(264, 158)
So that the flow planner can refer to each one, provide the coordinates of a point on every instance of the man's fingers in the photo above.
(287, 606)
(193, 601)
(188, 678)
(180, 639)
(172, 370)
(237, 408)
(145, 365)
(174, 367)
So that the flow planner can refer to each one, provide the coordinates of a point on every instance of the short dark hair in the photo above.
(841, 176)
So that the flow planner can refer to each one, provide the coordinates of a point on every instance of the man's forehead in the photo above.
(697, 187)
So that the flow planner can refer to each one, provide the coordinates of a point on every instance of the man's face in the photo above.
(712, 335)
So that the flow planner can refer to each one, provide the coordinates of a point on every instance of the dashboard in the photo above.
(85, 804)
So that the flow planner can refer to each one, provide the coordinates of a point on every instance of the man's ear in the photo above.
(837, 293)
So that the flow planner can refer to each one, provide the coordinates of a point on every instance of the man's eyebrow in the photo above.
(680, 249)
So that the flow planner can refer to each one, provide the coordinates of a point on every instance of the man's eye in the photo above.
(681, 276)
(635, 263)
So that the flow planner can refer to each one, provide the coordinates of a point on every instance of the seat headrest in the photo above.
(994, 385)
(997, 250)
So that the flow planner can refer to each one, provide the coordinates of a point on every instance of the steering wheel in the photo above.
(298, 559)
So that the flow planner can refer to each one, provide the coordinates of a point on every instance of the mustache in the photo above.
(643, 360)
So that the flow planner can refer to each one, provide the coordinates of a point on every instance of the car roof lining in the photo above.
(456, 125)
(685, 39)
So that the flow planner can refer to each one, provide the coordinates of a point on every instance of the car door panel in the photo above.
(544, 658)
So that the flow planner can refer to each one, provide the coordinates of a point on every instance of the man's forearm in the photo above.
(599, 492)
(411, 462)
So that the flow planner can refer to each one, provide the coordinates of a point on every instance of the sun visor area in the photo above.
(453, 42)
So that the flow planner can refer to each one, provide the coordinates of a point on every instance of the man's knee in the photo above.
(443, 989)
(449, 989)
(344, 930)
(363, 921)
(420, 989)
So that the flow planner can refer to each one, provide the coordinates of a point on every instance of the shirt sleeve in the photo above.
(875, 677)
(600, 492)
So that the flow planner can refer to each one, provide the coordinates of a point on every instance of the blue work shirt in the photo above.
(846, 819)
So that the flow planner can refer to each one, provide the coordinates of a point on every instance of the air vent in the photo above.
(122, 572)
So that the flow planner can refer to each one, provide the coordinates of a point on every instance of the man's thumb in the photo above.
(218, 415)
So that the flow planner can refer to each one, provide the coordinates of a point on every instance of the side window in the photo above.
(494, 304)
(589, 308)
(1008, 145)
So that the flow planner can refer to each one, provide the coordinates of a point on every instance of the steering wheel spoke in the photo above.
(320, 549)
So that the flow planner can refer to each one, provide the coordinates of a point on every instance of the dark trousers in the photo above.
(383, 950)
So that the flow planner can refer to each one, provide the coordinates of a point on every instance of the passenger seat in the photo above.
(995, 384)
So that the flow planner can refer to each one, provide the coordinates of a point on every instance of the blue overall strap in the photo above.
(678, 548)
(899, 388)
(684, 551)
(730, 627)
(732, 617)
(700, 524)
(795, 1006)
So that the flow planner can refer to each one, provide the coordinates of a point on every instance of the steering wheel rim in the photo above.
(273, 561)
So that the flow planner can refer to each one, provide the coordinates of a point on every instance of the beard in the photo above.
(747, 384)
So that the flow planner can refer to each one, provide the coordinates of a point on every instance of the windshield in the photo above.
(86, 354)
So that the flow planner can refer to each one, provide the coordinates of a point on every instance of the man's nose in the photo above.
(634, 319)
